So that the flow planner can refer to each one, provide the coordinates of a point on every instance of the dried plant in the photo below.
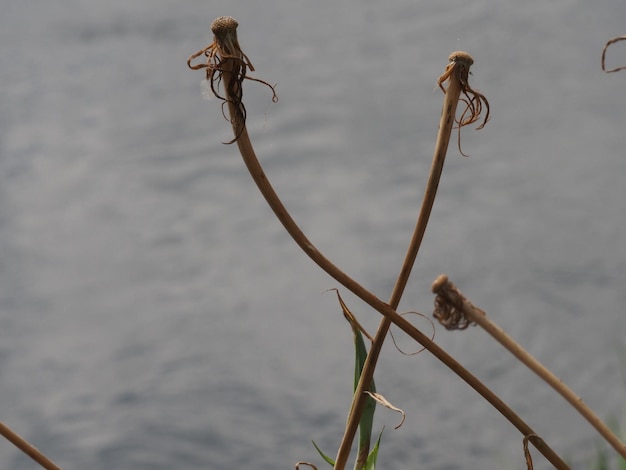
(227, 68)
(456, 77)
(227, 65)
(225, 49)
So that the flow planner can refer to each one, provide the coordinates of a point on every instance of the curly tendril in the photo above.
(606, 46)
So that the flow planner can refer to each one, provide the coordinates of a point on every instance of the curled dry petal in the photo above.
(383, 401)
(449, 305)
(451, 317)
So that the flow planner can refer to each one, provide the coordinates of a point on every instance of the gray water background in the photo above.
(154, 314)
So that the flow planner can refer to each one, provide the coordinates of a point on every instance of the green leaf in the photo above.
(371, 459)
(367, 418)
(324, 456)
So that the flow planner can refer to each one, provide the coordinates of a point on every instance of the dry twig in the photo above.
(26, 447)
(452, 306)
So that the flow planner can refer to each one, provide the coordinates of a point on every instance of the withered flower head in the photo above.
(459, 69)
(226, 62)
(450, 316)
(449, 305)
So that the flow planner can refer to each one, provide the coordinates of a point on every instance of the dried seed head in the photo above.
(458, 69)
(459, 65)
(451, 316)
(223, 24)
(225, 30)
(226, 60)
(450, 305)
(461, 57)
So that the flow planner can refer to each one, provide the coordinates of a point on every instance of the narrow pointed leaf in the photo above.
(351, 318)
(371, 459)
(367, 418)
(324, 456)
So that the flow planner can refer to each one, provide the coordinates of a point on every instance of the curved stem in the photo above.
(259, 177)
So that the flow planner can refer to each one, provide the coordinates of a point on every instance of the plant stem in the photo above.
(26, 447)
(446, 123)
(442, 286)
(258, 175)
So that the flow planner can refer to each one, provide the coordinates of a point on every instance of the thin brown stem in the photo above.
(26, 447)
(446, 123)
(456, 305)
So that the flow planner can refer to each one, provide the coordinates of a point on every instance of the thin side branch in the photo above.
(453, 309)
(26, 447)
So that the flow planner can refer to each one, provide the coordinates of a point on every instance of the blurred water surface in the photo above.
(153, 314)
